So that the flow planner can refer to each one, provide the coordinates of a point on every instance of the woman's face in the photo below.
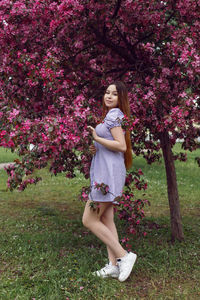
(111, 97)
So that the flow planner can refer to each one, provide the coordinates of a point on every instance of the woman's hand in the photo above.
(92, 130)
(92, 149)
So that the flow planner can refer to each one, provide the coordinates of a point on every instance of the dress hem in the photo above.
(113, 202)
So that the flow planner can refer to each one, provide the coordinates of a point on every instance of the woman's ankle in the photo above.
(113, 262)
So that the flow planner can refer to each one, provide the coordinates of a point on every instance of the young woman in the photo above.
(112, 155)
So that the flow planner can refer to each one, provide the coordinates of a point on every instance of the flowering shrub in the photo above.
(131, 210)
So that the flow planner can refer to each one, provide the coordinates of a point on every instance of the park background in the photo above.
(46, 253)
(56, 59)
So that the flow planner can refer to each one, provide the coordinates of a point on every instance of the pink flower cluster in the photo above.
(104, 188)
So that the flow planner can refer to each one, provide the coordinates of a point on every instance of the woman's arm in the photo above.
(119, 143)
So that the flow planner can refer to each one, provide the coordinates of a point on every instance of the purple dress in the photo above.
(107, 166)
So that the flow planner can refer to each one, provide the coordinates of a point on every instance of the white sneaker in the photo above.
(126, 264)
(108, 271)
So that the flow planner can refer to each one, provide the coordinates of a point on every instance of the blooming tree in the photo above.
(55, 58)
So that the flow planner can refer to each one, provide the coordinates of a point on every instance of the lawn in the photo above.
(6, 155)
(46, 253)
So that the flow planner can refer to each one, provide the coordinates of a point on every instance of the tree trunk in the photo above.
(173, 197)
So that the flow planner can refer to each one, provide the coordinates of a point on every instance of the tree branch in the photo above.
(169, 18)
(116, 9)
(117, 49)
(143, 38)
(123, 36)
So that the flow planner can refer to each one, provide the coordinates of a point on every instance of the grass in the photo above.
(46, 253)
(6, 155)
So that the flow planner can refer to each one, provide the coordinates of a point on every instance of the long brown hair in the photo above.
(123, 105)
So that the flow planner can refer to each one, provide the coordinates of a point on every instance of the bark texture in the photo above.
(173, 197)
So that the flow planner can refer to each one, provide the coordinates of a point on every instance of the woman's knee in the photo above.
(88, 220)
(90, 216)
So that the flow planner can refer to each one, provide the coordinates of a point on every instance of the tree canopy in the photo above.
(58, 56)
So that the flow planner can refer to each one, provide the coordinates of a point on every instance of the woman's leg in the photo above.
(92, 220)
(108, 220)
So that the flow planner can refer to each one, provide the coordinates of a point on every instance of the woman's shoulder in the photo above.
(114, 114)
(113, 118)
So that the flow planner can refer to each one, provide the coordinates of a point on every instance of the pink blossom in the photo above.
(140, 172)
(84, 195)
(13, 114)
(190, 41)
(2, 133)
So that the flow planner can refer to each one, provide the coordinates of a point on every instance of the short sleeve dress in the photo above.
(107, 166)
